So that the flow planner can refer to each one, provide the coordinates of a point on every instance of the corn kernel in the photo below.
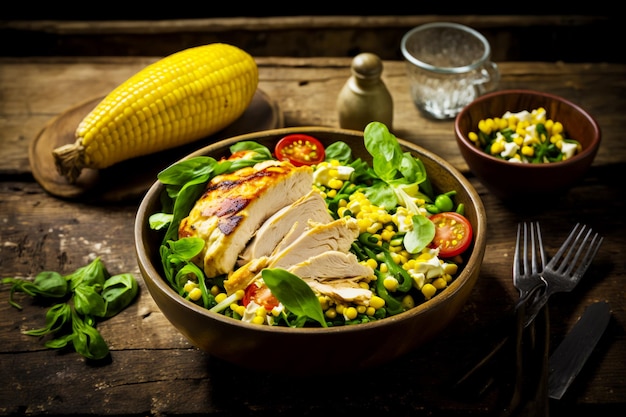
(377, 302)
(428, 290)
(195, 294)
(497, 147)
(450, 268)
(189, 285)
(335, 184)
(350, 313)
(391, 283)
(440, 283)
(528, 150)
(408, 302)
(331, 313)
(371, 263)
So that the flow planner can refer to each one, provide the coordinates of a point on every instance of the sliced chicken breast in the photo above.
(333, 265)
(343, 290)
(235, 205)
(317, 239)
(293, 218)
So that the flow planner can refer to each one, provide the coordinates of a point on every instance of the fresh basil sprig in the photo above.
(176, 258)
(88, 293)
(296, 296)
(397, 172)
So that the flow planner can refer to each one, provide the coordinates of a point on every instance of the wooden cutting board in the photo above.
(128, 179)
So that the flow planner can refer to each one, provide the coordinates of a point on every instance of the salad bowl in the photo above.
(314, 350)
(519, 182)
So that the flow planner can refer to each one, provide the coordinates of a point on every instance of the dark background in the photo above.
(524, 31)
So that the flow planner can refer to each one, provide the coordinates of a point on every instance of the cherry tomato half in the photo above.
(300, 150)
(260, 295)
(453, 233)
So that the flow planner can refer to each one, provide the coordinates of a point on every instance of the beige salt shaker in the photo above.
(364, 98)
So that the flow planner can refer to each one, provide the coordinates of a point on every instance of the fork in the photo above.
(528, 264)
(527, 277)
(559, 274)
(540, 299)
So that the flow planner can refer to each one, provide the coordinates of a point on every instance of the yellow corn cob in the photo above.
(181, 98)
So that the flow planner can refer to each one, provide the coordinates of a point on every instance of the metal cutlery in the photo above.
(559, 274)
(569, 357)
(527, 275)
(564, 273)
(530, 347)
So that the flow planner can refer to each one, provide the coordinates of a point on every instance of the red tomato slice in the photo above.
(260, 295)
(453, 233)
(300, 150)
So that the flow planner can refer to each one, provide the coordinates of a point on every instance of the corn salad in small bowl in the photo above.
(524, 143)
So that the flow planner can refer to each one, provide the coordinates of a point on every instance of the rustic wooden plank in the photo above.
(26, 85)
(155, 371)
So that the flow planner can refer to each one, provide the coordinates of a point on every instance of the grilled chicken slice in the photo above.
(317, 239)
(292, 219)
(235, 205)
(329, 266)
(345, 290)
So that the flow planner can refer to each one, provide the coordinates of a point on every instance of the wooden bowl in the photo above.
(513, 181)
(314, 350)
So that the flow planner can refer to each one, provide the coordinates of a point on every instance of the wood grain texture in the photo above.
(155, 371)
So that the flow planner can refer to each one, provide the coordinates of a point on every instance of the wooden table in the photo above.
(155, 371)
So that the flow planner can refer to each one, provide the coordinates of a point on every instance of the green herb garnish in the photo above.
(87, 294)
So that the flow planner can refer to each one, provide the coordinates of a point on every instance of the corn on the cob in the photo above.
(179, 99)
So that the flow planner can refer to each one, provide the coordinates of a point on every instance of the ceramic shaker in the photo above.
(364, 98)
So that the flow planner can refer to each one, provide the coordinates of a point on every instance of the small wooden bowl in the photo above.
(512, 181)
(314, 350)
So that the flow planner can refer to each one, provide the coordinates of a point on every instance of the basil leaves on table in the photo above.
(85, 295)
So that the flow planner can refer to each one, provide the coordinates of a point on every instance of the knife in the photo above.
(570, 356)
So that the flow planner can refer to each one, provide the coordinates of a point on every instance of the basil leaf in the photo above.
(60, 342)
(295, 294)
(422, 234)
(118, 292)
(384, 148)
(185, 200)
(382, 194)
(56, 317)
(339, 151)
(176, 255)
(87, 340)
(88, 301)
(187, 170)
(247, 145)
(159, 221)
(94, 273)
(46, 284)
(187, 247)
(50, 284)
